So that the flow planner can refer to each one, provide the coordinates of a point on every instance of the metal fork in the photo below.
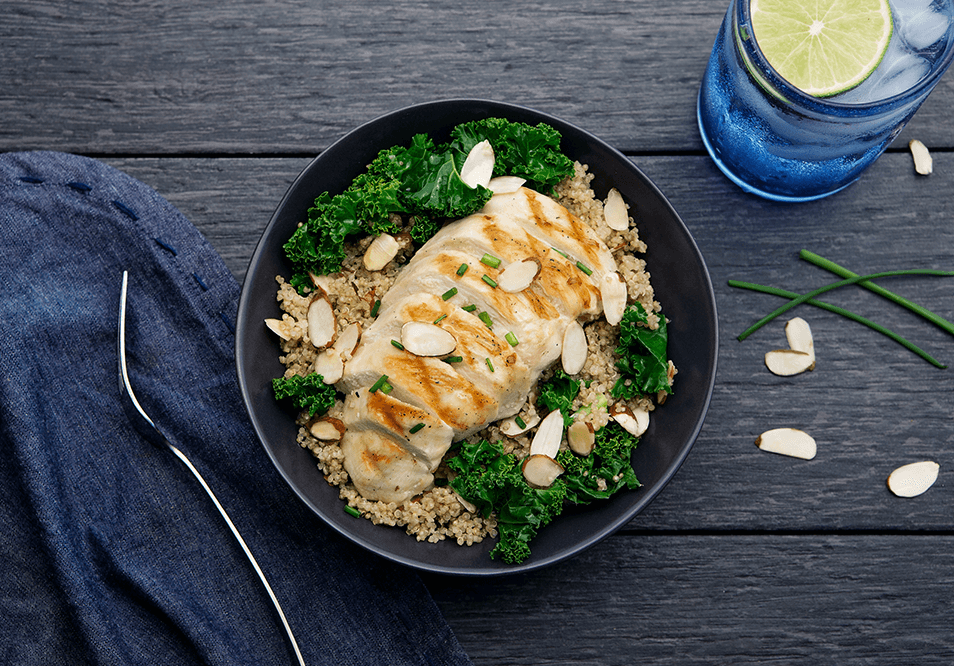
(147, 427)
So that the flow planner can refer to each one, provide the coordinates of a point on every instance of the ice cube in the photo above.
(918, 26)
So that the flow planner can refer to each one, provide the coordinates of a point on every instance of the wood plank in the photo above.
(849, 600)
(246, 78)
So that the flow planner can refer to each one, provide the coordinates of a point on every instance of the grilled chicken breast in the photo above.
(444, 401)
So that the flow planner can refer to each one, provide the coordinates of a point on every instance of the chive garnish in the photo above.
(382, 380)
(397, 344)
(375, 308)
(489, 364)
(520, 422)
(453, 359)
(461, 269)
(386, 388)
(441, 318)
(353, 511)
(450, 293)
(416, 428)
(490, 260)
(583, 267)
(484, 317)
(512, 339)
(489, 280)
(469, 308)
(560, 252)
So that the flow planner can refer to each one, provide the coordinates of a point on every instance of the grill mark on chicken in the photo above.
(573, 228)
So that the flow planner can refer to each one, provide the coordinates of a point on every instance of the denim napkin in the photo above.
(112, 552)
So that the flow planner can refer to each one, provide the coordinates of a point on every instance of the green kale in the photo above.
(609, 462)
(493, 481)
(422, 229)
(642, 362)
(559, 393)
(309, 392)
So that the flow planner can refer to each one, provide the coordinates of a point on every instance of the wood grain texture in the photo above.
(252, 77)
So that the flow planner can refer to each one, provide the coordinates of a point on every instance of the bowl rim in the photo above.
(647, 494)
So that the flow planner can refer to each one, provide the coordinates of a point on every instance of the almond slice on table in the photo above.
(511, 428)
(581, 438)
(426, 339)
(613, 294)
(573, 354)
(505, 184)
(913, 479)
(788, 362)
(518, 276)
(614, 211)
(322, 325)
(787, 442)
(380, 252)
(799, 336)
(923, 162)
(479, 165)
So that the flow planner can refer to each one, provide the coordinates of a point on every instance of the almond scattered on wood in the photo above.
(787, 442)
(800, 356)
(913, 479)
(923, 162)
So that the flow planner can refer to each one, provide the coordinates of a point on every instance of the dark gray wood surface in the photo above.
(746, 557)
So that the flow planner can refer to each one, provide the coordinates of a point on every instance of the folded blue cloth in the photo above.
(112, 552)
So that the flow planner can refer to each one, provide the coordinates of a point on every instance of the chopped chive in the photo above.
(386, 388)
(489, 280)
(375, 308)
(490, 260)
(489, 364)
(560, 252)
(583, 267)
(469, 308)
(461, 269)
(397, 344)
(382, 380)
(450, 293)
(520, 422)
(484, 317)
(453, 359)
(512, 339)
(353, 511)
(416, 428)
(440, 319)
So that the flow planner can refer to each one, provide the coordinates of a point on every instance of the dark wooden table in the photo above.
(746, 557)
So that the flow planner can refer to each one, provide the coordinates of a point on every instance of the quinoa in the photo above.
(439, 513)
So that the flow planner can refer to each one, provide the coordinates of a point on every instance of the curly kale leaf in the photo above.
(493, 481)
(642, 362)
(309, 392)
(559, 393)
(531, 152)
(609, 462)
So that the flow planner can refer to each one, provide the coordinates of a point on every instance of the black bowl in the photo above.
(679, 276)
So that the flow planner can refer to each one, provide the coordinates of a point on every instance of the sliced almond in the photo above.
(613, 295)
(511, 428)
(518, 276)
(505, 184)
(348, 339)
(380, 252)
(581, 438)
(546, 441)
(788, 362)
(913, 479)
(787, 442)
(614, 211)
(277, 326)
(322, 282)
(322, 325)
(330, 366)
(479, 165)
(573, 354)
(327, 429)
(633, 421)
(799, 335)
(425, 339)
(464, 503)
(923, 163)
(541, 471)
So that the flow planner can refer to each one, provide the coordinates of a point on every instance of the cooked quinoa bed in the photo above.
(438, 513)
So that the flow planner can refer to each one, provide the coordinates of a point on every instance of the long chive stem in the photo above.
(832, 267)
(799, 299)
(848, 314)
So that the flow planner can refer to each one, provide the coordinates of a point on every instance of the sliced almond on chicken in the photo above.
(479, 165)
(511, 428)
(518, 276)
(573, 354)
(787, 442)
(913, 479)
(327, 429)
(380, 252)
(425, 339)
(277, 326)
(788, 362)
(330, 366)
(322, 326)
(505, 184)
(799, 336)
(614, 211)
(348, 339)
(923, 162)
(581, 438)
(613, 295)
(541, 471)
(546, 441)
(633, 421)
